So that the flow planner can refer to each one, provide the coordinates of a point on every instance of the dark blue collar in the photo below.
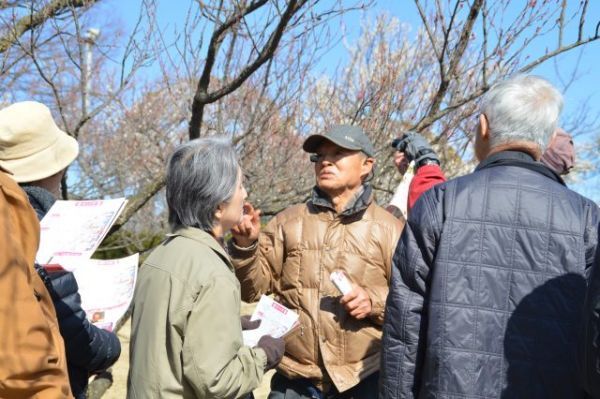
(359, 203)
(519, 159)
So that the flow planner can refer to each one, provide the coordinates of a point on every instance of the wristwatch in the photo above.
(428, 161)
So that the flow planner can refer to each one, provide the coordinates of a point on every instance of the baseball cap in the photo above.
(345, 136)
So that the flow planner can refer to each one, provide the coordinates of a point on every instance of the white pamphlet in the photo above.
(339, 279)
(72, 230)
(106, 288)
(276, 321)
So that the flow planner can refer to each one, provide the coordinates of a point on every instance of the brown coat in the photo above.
(295, 255)
(32, 354)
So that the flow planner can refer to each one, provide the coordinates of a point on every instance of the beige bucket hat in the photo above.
(32, 147)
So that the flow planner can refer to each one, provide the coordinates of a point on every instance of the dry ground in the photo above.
(119, 387)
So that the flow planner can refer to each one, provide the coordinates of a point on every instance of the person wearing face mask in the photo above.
(336, 349)
(186, 332)
(560, 154)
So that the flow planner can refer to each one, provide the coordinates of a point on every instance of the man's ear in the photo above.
(367, 167)
(484, 127)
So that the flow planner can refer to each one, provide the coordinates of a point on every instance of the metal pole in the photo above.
(89, 39)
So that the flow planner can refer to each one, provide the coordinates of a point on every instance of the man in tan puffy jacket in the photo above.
(335, 351)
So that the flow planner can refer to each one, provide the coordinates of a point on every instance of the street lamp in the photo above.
(89, 39)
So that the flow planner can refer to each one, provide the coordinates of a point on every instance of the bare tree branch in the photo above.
(484, 67)
(438, 55)
(582, 20)
(561, 23)
(430, 120)
(136, 202)
(447, 31)
(556, 52)
(454, 61)
(34, 20)
(202, 96)
(8, 4)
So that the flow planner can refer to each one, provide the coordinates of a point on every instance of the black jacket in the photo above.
(89, 349)
(589, 354)
(488, 285)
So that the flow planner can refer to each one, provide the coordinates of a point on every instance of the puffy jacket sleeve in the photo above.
(215, 364)
(257, 267)
(379, 293)
(589, 353)
(86, 345)
(425, 178)
(405, 306)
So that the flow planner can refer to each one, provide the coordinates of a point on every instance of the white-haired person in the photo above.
(488, 282)
(186, 337)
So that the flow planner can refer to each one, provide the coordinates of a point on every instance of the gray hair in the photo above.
(522, 108)
(201, 175)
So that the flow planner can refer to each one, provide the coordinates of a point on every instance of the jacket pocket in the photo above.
(54, 355)
(361, 343)
(299, 343)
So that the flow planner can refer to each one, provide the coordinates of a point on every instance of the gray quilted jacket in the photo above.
(488, 286)
(589, 351)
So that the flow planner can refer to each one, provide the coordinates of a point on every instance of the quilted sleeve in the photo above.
(589, 349)
(404, 324)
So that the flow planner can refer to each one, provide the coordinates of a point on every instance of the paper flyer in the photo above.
(339, 279)
(72, 230)
(106, 288)
(276, 321)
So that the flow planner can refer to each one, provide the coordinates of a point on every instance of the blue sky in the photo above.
(587, 85)
(585, 88)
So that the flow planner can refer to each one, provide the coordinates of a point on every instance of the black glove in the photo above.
(416, 148)
(274, 348)
(247, 324)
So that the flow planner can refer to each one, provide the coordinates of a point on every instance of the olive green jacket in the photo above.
(186, 338)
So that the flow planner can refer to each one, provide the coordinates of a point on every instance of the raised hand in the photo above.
(416, 148)
(246, 233)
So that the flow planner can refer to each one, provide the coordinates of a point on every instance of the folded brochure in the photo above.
(71, 231)
(106, 288)
(276, 321)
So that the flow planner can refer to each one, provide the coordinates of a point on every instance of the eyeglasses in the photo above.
(333, 157)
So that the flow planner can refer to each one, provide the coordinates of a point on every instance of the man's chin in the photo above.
(327, 186)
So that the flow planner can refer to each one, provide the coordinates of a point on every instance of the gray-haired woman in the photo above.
(186, 339)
